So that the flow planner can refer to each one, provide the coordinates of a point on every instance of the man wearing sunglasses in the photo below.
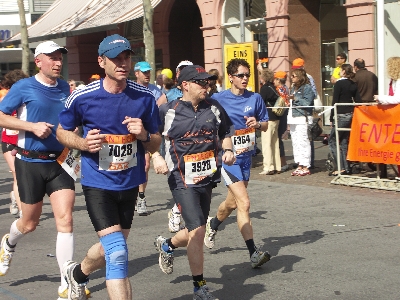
(248, 114)
(195, 129)
(340, 60)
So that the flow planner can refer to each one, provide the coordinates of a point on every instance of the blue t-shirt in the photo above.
(120, 163)
(36, 102)
(174, 94)
(155, 90)
(249, 104)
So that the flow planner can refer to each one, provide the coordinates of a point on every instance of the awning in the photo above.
(12, 55)
(74, 17)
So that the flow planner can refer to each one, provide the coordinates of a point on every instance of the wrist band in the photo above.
(228, 150)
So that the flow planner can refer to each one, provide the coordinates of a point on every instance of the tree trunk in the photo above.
(24, 37)
(148, 37)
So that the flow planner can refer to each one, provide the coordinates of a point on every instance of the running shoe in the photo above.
(203, 293)
(141, 207)
(13, 206)
(209, 238)
(174, 221)
(63, 293)
(5, 256)
(296, 172)
(259, 258)
(166, 259)
(76, 291)
(304, 172)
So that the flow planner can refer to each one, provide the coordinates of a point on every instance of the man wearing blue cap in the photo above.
(120, 123)
(142, 72)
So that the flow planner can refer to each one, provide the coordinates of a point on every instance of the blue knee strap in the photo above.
(116, 255)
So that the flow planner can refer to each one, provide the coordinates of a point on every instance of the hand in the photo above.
(94, 140)
(160, 166)
(251, 122)
(42, 129)
(135, 126)
(228, 158)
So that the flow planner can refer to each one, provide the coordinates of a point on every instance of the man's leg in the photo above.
(141, 200)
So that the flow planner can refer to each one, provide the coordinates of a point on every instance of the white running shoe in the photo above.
(13, 206)
(141, 207)
(63, 293)
(209, 238)
(76, 291)
(174, 221)
(259, 258)
(165, 260)
(5, 256)
(203, 293)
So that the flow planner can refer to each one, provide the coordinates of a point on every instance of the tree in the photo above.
(148, 36)
(24, 37)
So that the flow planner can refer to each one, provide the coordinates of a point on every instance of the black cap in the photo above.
(194, 72)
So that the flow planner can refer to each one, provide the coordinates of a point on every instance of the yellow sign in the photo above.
(244, 51)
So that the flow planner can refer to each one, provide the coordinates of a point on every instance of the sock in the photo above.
(15, 236)
(64, 251)
(214, 223)
(168, 246)
(175, 209)
(250, 245)
(79, 276)
(198, 281)
(141, 195)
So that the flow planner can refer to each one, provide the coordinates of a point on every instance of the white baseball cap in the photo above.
(184, 63)
(49, 47)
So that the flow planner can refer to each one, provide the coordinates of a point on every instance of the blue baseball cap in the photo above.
(143, 66)
(113, 45)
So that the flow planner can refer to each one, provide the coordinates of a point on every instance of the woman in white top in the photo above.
(393, 70)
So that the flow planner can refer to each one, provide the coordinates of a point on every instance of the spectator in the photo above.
(340, 60)
(344, 91)
(269, 138)
(301, 94)
(94, 77)
(72, 85)
(367, 82)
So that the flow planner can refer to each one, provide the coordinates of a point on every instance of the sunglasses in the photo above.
(242, 75)
(339, 58)
(201, 82)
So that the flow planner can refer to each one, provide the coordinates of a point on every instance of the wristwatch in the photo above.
(259, 123)
(148, 137)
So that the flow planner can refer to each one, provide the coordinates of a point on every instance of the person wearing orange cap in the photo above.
(94, 77)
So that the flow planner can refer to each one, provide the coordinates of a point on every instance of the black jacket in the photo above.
(269, 95)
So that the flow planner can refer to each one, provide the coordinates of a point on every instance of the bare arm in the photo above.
(40, 129)
(251, 122)
(92, 142)
(228, 157)
(162, 100)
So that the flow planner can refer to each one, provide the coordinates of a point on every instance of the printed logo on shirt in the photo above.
(247, 108)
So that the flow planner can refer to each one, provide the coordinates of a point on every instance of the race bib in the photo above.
(244, 140)
(199, 166)
(11, 132)
(118, 153)
(69, 164)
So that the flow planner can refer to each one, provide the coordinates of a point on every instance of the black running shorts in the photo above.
(108, 208)
(194, 204)
(5, 147)
(37, 179)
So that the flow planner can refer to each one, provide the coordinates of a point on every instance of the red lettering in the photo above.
(387, 131)
(396, 133)
(377, 137)
(118, 166)
(363, 131)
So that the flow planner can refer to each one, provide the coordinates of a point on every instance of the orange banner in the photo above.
(375, 134)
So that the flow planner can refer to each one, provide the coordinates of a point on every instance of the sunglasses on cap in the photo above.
(242, 75)
(201, 82)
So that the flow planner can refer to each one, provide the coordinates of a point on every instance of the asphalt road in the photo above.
(327, 242)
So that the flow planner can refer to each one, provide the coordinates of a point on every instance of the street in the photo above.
(326, 241)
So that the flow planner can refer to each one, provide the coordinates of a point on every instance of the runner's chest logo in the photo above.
(247, 108)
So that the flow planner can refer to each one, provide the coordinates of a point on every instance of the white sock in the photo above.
(175, 209)
(15, 236)
(64, 251)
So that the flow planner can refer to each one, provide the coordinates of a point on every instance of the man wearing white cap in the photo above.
(142, 72)
(39, 100)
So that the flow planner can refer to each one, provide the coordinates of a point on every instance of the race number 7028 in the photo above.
(120, 150)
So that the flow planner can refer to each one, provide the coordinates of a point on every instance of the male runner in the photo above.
(248, 114)
(194, 128)
(142, 72)
(120, 122)
(38, 101)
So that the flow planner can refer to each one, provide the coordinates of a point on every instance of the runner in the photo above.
(38, 101)
(248, 114)
(120, 122)
(194, 128)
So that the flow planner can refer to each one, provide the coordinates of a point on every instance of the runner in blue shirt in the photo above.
(120, 122)
(248, 114)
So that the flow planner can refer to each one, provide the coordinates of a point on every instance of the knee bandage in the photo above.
(116, 255)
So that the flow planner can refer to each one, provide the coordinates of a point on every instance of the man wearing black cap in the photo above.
(120, 122)
(193, 127)
(39, 100)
